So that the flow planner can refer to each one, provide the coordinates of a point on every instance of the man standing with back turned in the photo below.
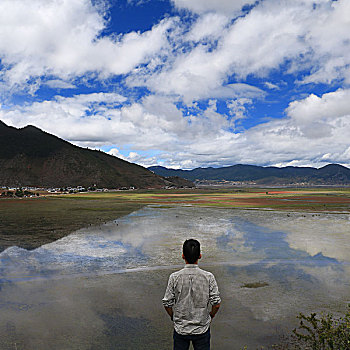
(188, 297)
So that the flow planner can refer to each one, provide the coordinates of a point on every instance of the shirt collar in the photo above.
(191, 266)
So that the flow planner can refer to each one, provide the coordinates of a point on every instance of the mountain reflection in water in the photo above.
(101, 287)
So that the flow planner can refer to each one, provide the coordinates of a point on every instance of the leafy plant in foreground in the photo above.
(324, 332)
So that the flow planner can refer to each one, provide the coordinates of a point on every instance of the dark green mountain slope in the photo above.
(331, 174)
(32, 157)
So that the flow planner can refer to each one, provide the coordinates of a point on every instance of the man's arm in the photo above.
(169, 298)
(214, 309)
(169, 310)
(214, 297)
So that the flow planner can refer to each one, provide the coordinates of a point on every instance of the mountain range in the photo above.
(332, 174)
(32, 157)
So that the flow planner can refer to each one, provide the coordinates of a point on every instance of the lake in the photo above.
(101, 287)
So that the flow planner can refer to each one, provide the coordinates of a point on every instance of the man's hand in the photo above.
(170, 312)
(214, 310)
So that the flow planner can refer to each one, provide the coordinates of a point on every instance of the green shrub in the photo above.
(19, 193)
(323, 333)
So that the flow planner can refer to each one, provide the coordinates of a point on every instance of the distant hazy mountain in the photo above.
(330, 174)
(32, 157)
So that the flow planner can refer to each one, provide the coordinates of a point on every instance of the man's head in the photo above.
(191, 251)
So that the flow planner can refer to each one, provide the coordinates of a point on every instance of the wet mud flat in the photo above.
(101, 287)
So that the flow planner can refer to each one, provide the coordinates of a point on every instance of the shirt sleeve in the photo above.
(169, 296)
(214, 294)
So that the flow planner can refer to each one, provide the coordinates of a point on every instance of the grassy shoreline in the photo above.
(319, 200)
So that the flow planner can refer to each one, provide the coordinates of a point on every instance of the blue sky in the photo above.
(182, 83)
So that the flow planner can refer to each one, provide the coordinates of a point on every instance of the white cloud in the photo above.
(329, 106)
(59, 84)
(208, 26)
(56, 42)
(319, 117)
(248, 46)
(238, 107)
(116, 153)
(271, 86)
(154, 123)
(61, 39)
(281, 142)
(78, 118)
(224, 6)
(103, 119)
(237, 90)
(328, 35)
(308, 35)
(134, 157)
(108, 119)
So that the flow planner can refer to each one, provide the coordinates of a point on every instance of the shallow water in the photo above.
(101, 287)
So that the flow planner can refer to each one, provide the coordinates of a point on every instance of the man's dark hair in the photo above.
(191, 250)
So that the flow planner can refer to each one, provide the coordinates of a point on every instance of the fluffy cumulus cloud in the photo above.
(61, 38)
(101, 119)
(208, 26)
(108, 118)
(189, 83)
(78, 118)
(134, 157)
(59, 84)
(224, 6)
(310, 36)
